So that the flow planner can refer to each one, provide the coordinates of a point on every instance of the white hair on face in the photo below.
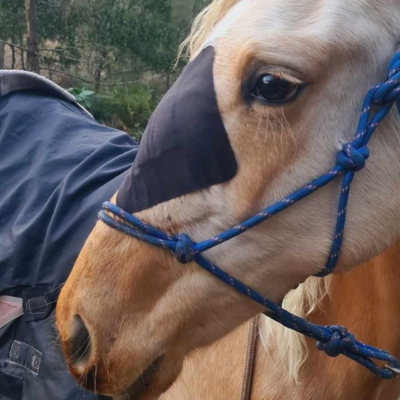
(226, 22)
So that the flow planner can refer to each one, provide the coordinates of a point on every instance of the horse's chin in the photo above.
(154, 381)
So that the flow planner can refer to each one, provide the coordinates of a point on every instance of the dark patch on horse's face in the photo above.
(185, 147)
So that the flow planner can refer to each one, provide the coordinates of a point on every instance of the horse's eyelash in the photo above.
(287, 77)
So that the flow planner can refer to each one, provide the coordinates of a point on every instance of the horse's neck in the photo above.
(367, 302)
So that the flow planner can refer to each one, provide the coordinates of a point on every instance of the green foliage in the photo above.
(104, 45)
(60, 19)
(12, 19)
(151, 34)
(126, 108)
(83, 96)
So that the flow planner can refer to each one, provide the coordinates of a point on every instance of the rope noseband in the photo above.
(333, 340)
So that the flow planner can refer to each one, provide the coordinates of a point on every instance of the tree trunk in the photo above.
(13, 60)
(99, 69)
(32, 57)
(2, 54)
(168, 80)
(97, 76)
(22, 52)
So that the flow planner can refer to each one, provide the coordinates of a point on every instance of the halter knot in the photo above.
(352, 159)
(340, 342)
(184, 249)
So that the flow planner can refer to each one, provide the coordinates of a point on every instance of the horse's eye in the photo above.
(274, 90)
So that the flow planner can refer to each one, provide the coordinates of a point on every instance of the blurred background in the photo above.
(116, 56)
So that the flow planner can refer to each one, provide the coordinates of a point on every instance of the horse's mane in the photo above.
(203, 25)
(287, 346)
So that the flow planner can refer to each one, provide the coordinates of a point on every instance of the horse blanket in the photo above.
(57, 166)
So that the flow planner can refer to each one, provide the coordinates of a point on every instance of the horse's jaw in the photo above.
(157, 311)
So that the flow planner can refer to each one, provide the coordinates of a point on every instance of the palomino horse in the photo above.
(289, 78)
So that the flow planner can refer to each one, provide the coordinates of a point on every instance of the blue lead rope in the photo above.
(333, 340)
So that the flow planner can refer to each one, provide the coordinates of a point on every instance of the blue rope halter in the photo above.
(333, 340)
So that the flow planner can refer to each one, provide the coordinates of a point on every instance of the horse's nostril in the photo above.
(79, 344)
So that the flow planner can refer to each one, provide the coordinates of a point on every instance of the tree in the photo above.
(2, 54)
(104, 49)
(12, 26)
(151, 35)
(32, 40)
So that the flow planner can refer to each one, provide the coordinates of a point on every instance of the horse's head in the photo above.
(288, 80)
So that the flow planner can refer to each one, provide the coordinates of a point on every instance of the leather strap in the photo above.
(248, 376)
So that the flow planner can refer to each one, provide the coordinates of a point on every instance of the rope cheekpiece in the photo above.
(352, 159)
(333, 340)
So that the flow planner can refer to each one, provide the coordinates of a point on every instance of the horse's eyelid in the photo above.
(252, 98)
(288, 77)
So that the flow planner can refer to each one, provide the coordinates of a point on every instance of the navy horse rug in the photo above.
(57, 166)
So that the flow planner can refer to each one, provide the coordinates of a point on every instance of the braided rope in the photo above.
(333, 340)
(250, 363)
